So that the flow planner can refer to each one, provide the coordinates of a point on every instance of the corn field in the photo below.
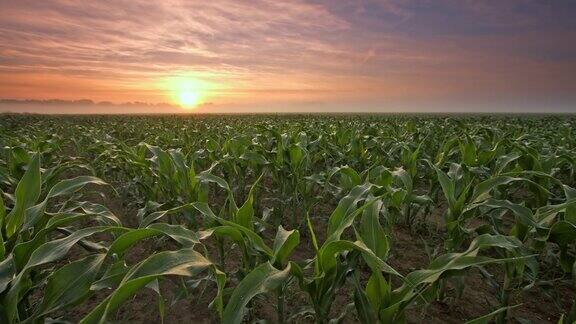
(287, 219)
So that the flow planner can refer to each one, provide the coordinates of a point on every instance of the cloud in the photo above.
(256, 52)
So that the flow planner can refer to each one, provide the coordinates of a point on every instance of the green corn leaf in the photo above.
(7, 272)
(328, 256)
(27, 193)
(284, 243)
(209, 177)
(46, 253)
(218, 301)
(159, 214)
(2, 247)
(255, 240)
(404, 178)
(112, 277)
(155, 286)
(346, 210)
(297, 154)
(563, 233)
(64, 187)
(378, 290)
(371, 231)
(546, 214)
(184, 262)
(503, 161)
(245, 214)
(524, 214)
(262, 279)
(2, 209)
(68, 186)
(468, 151)
(255, 158)
(351, 176)
(2, 218)
(70, 284)
(100, 210)
(570, 214)
(488, 317)
(482, 190)
(364, 309)
(448, 186)
(228, 231)
(459, 261)
(185, 237)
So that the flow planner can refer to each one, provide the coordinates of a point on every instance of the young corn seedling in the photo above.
(330, 270)
(379, 302)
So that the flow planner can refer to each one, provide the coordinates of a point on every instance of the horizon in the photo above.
(343, 56)
(134, 109)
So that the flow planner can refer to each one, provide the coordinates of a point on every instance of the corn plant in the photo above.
(378, 302)
(330, 271)
(26, 229)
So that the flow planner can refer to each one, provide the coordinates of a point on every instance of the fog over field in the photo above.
(89, 107)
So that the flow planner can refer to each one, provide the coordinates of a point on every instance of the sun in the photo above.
(189, 98)
(187, 91)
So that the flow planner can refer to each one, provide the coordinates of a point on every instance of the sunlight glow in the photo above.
(186, 90)
(189, 99)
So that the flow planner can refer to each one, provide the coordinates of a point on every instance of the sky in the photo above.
(288, 56)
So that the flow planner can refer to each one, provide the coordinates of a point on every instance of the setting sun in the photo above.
(186, 90)
(189, 99)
